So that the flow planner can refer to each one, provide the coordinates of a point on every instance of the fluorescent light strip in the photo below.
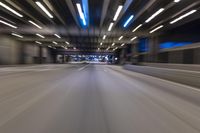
(133, 38)
(74, 48)
(57, 35)
(35, 24)
(113, 44)
(123, 44)
(183, 16)
(38, 42)
(104, 37)
(81, 13)
(17, 35)
(40, 35)
(54, 42)
(176, 1)
(154, 15)
(159, 27)
(120, 38)
(44, 9)
(110, 26)
(117, 12)
(128, 21)
(10, 9)
(66, 42)
(101, 43)
(8, 24)
(137, 27)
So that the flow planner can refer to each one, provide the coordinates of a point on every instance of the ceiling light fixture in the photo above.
(183, 16)
(132, 39)
(40, 35)
(117, 12)
(123, 44)
(35, 24)
(81, 14)
(110, 26)
(44, 9)
(66, 42)
(176, 1)
(104, 37)
(113, 44)
(101, 43)
(38, 42)
(57, 35)
(8, 24)
(157, 28)
(128, 21)
(10, 9)
(137, 28)
(54, 42)
(17, 35)
(120, 38)
(154, 15)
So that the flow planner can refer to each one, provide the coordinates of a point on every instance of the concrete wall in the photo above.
(196, 56)
(17, 52)
(9, 50)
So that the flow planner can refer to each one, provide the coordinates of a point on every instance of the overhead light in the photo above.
(44, 9)
(74, 48)
(10, 9)
(17, 35)
(65, 48)
(81, 13)
(98, 48)
(137, 28)
(49, 46)
(159, 27)
(154, 15)
(35, 24)
(54, 42)
(128, 20)
(120, 38)
(176, 1)
(132, 39)
(123, 44)
(38, 42)
(110, 26)
(117, 12)
(108, 48)
(57, 35)
(113, 44)
(66, 42)
(101, 43)
(40, 35)
(8, 24)
(104, 37)
(183, 16)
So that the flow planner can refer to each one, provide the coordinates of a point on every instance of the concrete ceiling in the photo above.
(68, 25)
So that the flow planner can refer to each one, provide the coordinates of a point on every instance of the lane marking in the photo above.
(80, 69)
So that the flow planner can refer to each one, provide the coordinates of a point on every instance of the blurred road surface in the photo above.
(94, 99)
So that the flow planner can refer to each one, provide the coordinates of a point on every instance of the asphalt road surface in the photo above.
(94, 99)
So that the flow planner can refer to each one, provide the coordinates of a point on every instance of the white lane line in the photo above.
(80, 69)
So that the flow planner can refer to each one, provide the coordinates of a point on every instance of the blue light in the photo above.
(166, 45)
(128, 21)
